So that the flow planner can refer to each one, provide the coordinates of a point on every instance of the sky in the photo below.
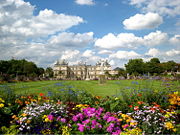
(44, 31)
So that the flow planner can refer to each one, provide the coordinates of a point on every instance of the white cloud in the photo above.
(162, 7)
(175, 40)
(17, 19)
(155, 38)
(122, 40)
(85, 2)
(88, 53)
(173, 52)
(70, 54)
(105, 52)
(22, 32)
(143, 21)
(71, 39)
(153, 52)
(125, 55)
(129, 40)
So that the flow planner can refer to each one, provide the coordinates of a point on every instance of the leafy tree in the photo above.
(154, 66)
(135, 66)
(49, 72)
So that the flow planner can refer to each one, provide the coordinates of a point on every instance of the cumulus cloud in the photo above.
(122, 40)
(143, 21)
(125, 55)
(85, 2)
(17, 19)
(155, 38)
(105, 52)
(173, 52)
(162, 7)
(88, 53)
(129, 40)
(71, 39)
(22, 32)
(70, 54)
(153, 52)
(175, 40)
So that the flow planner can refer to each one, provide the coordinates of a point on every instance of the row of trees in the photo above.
(22, 69)
(153, 67)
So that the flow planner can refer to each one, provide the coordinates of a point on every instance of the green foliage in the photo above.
(12, 130)
(135, 66)
(154, 67)
(18, 68)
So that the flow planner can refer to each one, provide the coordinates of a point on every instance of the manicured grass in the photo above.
(112, 87)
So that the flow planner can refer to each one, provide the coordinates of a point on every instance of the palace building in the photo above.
(81, 71)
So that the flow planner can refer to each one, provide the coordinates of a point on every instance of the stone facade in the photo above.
(81, 71)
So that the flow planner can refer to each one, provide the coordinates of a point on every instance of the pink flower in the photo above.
(63, 120)
(75, 118)
(81, 127)
(50, 117)
(125, 126)
(117, 132)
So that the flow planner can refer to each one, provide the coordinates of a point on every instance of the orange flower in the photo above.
(152, 109)
(130, 106)
(98, 97)
(27, 102)
(140, 102)
(41, 94)
(139, 94)
(136, 108)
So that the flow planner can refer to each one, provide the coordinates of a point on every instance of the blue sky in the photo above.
(44, 31)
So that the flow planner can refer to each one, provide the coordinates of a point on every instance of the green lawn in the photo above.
(112, 87)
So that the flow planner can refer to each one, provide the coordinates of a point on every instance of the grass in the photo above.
(112, 87)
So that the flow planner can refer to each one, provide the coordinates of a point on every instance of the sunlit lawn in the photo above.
(111, 87)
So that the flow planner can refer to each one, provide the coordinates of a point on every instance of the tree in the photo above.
(121, 72)
(169, 66)
(135, 67)
(154, 66)
(49, 72)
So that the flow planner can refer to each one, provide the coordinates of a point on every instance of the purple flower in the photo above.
(125, 126)
(58, 118)
(111, 119)
(117, 132)
(86, 121)
(110, 128)
(63, 120)
(106, 116)
(75, 118)
(80, 115)
(81, 127)
(50, 117)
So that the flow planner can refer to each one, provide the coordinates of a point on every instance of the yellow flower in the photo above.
(116, 98)
(176, 93)
(128, 120)
(24, 114)
(167, 116)
(1, 105)
(28, 121)
(66, 130)
(47, 120)
(174, 129)
(1, 100)
(169, 125)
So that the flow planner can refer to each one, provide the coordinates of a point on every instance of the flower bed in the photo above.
(83, 113)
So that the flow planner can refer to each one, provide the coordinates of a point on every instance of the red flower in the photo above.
(41, 94)
(130, 106)
(140, 102)
(136, 108)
